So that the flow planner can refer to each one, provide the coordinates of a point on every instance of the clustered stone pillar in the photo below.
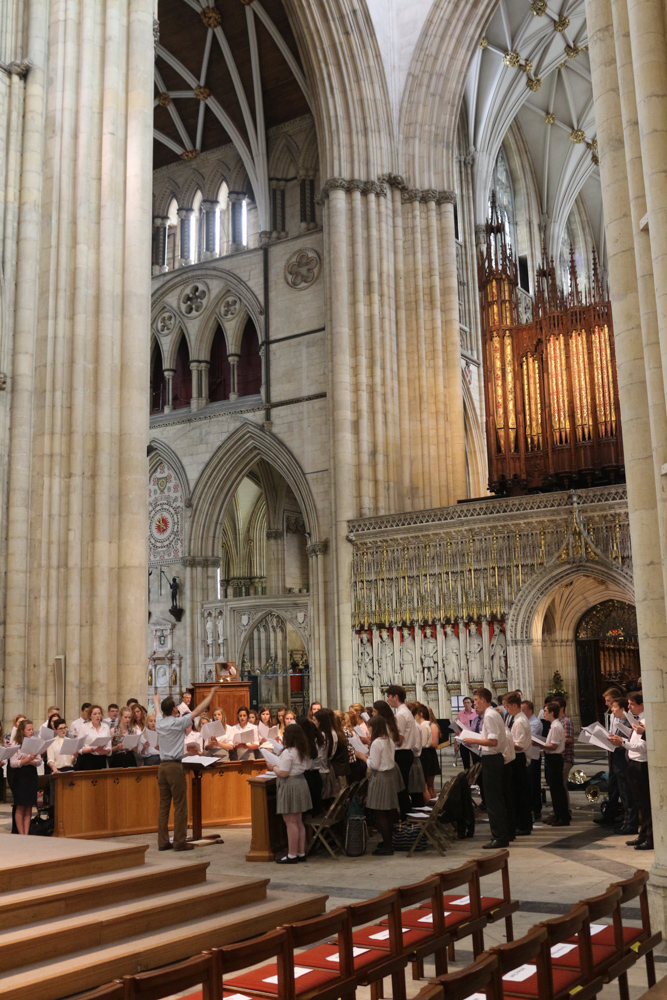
(307, 203)
(278, 210)
(186, 215)
(160, 228)
(210, 242)
(76, 512)
(236, 199)
(629, 73)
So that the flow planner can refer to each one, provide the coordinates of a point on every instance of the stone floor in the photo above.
(550, 870)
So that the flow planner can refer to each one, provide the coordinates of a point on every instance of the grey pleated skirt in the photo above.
(293, 795)
(329, 785)
(382, 790)
(416, 781)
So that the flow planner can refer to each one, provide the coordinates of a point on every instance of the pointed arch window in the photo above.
(501, 184)
(219, 376)
(158, 382)
(224, 233)
(173, 234)
(181, 392)
(197, 229)
(249, 368)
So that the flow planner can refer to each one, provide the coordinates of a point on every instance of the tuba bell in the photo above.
(596, 795)
(578, 777)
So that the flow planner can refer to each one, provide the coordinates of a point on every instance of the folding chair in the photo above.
(473, 774)
(200, 971)
(112, 991)
(641, 940)
(482, 977)
(423, 931)
(561, 983)
(323, 827)
(430, 827)
(286, 977)
(609, 961)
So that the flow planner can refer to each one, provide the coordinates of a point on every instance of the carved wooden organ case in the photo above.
(552, 409)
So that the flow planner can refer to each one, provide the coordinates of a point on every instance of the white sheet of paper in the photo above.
(473, 996)
(428, 919)
(540, 742)
(381, 936)
(365, 716)
(559, 950)
(270, 758)
(519, 975)
(360, 731)
(72, 745)
(196, 758)
(356, 744)
(33, 744)
(461, 901)
(584, 736)
(277, 747)
(268, 732)
(132, 741)
(45, 733)
(248, 735)
(100, 741)
(597, 928)
(7, 752)
(212, 731)
(623, 728)
(603, 742)
(151, 737)
(355, 953)
(458, 725)
(298, 971)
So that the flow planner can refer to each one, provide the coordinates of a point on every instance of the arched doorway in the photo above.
(607, 652)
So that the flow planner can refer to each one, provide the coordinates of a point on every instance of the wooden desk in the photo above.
(269, 833)
(121, 801)
(230, 696)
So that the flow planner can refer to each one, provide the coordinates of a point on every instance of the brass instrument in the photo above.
(578, 777)
(595, 795)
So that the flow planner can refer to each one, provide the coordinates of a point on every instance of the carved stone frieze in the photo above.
(318, 548)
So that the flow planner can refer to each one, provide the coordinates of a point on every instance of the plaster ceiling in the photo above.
(532, 68)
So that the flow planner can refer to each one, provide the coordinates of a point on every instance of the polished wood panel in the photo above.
(122, 801)
(269, 833)
(230, 696)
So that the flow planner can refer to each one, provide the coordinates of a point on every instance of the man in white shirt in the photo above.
(112, 717)
(76, 727)
(535, 761)
(491, 740)
(409, 737)
(522, 738)
(171, 728)
(553, 764)
(637, 773)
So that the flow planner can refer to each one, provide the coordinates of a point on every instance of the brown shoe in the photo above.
(184, 847)
(165, 847)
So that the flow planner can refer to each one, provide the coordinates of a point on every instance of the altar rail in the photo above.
(122, 801)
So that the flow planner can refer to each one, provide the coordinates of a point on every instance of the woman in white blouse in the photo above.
(292, 795)
(246, 749)
(57, 761)
(24, 784)
(382, 795)
(94, 758)
(220, 746)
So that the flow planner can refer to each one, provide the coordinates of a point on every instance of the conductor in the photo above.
(170, 727)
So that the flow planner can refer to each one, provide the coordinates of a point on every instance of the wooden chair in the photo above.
(482, 977)
(496, 908)
(200, 971)
(429, 823)
(422, 931)
(609, 961)
(460, 921)
(582, 979)
(323, 826)
(287, 977)
(371, 965)
(112, 991)
(522, 967)
(640, 940)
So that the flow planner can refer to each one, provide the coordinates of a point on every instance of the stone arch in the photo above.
(434, 90)
(239, 180)
(532, 597)
(224, 472)
(284, 158)
(195, 182)
(219, 172)
(164, 452)
(286, 617)
(308, 154)
(166, 190)
(475, 444)
(172, 343)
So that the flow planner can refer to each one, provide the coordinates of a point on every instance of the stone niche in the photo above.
(164, 663)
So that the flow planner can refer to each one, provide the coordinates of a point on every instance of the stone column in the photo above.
(76, 519)
(186, 215)
(626, 261)
(160, 227)
(277, 210)
(275, 559)
(204, 367)
(168, 394)
(233, 375)
(210, 241)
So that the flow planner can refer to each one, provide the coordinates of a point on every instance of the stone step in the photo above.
(46, 860)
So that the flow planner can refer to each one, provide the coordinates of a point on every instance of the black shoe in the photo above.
(537, 818)
(601, 821)
(167, 847)
(561, 822)
(636, 843)
(184, 847)
(383, 852)
(301, 857)
(523, 833)
(495, 845)
(628, 831)
(646, 845)
(287, 861)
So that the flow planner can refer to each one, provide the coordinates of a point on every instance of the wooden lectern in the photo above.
(230, 696)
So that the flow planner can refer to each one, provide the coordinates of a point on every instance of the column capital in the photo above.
(318, 548)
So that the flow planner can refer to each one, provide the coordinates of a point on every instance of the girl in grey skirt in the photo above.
(292, 794)
(383, 789)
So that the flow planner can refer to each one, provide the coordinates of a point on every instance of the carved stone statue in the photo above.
(386, 658)
(174, 588)
(408, 658)
(452, 656)
(475, 655)
(365, 661)
(429, 654)
(220, 628)
(498, 650)
(209, 636)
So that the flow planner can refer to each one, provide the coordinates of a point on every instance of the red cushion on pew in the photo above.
(363, 937)
(255, 980)
(318, 957)
(606, 937)
(563, 979)
(414, 918)
(601, 956)
(488, 903)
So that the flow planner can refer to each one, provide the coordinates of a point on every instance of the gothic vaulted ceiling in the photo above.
(532, 68)
(223, 74)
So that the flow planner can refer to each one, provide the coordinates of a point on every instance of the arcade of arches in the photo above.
(368, 297)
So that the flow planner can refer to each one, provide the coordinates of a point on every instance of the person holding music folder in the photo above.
(58, 762)
(535, 761)
(120, 755)
(491, 741)
(522, 737)
(621, 729)
(245, 749)
(408, 739)
(637, 772)
(24, 784)
(171, 729)
(553, 764)
(292, 795)
(94, 758)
